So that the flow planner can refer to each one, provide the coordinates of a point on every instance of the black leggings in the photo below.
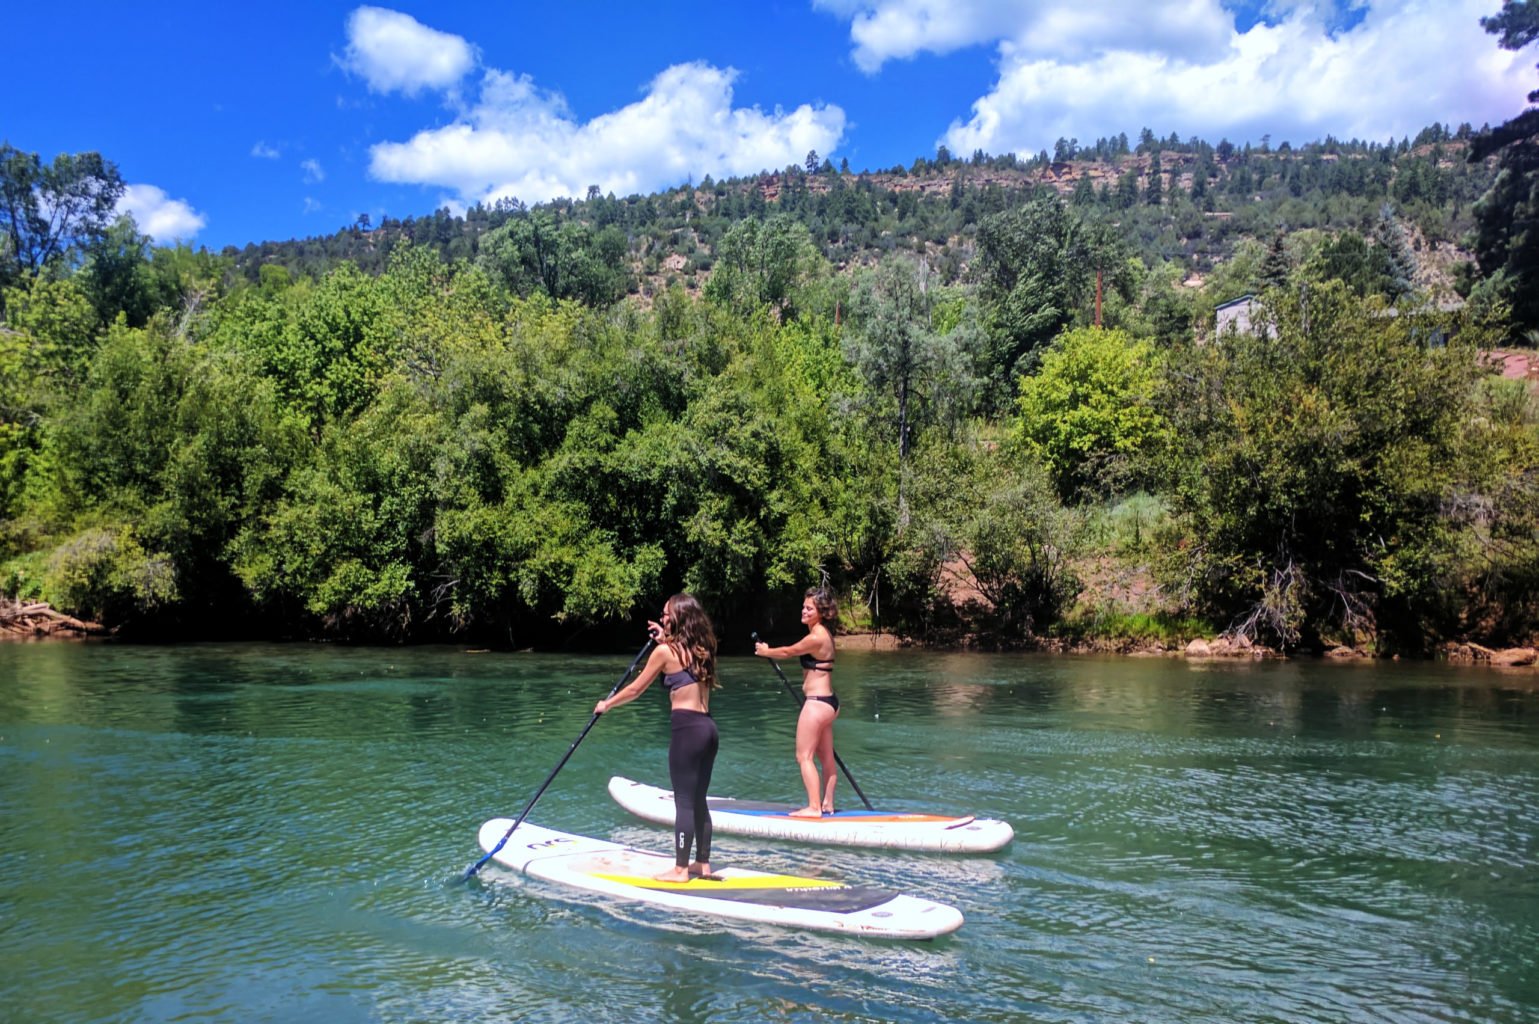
(691, 755)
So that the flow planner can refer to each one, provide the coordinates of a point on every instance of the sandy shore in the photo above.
(868, 642)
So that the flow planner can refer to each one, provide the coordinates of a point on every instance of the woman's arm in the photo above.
(636, 687)
(806, 645)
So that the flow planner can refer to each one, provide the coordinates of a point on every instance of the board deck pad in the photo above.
(959, 833)
(824, 904)
(773, 890)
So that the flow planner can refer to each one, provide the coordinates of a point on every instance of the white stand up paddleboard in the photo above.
(892, 829)
(818, 903)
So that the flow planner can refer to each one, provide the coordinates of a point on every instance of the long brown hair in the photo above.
(689, 631)
(828, 608)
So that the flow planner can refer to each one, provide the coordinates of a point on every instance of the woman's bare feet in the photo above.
(699, 870)
(674, 875)
(807, 812)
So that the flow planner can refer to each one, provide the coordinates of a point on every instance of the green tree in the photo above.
(763, 263)
(992, 512)
(153, 464)
(912, 371)
(116, 273)
(1278, 264)
(48, 212)
(1506, 239)
(1084, 191)
(1312, 464)
(1127, 189)
(59, 325)
(565, 259)
(1349, 259)
(1034, 270)
(1088, 413)
(1397, 260)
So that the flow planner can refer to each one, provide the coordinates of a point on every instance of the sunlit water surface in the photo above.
(277, 833)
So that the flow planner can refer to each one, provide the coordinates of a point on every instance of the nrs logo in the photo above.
(542, 844)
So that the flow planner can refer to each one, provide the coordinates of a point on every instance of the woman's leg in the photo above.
(702, 864)
(685, 746)
(830, 766)
(812, 726)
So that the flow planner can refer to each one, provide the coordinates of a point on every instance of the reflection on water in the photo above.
(236, 833)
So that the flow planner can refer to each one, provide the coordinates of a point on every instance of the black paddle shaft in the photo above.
(800, 700)
(559, 765)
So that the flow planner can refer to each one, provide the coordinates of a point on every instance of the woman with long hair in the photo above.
(685, 658)
(815, 726)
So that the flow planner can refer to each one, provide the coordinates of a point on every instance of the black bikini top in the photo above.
(812, 664)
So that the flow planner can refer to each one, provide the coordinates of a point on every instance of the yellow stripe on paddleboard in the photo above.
(703, 884)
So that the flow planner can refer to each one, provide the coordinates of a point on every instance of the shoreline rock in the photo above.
(1239, 646)
(1477, 654)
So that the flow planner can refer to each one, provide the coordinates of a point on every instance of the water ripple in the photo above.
(221, 833)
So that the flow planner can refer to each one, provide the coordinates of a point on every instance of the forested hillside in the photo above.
(1177, 206)
(986, 398)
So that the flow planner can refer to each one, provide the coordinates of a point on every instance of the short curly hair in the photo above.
(828, 608)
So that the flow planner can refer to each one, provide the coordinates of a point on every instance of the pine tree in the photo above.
(1084, 191)
(1127, 189)
(1399, 262)
(1274, 270)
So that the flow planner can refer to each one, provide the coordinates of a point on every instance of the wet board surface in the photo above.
(906, 830)
(597, 865)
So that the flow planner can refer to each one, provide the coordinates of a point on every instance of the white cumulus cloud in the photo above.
(263, 150)
(158, 215)
(1067, 68)
(517, 140)
(884, 30)
(313, 171)
(396, 52)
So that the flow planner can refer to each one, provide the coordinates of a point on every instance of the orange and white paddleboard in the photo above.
(905, 830)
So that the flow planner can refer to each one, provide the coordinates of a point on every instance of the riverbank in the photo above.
(1216, 647)
(39, 621)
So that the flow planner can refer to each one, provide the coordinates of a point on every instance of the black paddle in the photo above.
(800, 700)
(651, 643)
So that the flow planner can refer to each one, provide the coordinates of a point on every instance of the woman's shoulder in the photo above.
(821, 634)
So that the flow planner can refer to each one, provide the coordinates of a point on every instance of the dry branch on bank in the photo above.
(38, 619)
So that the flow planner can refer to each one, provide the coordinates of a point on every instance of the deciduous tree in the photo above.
(48, 212)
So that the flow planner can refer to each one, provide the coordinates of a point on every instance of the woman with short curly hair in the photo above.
(815, 725)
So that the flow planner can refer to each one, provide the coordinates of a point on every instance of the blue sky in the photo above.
(236, 124)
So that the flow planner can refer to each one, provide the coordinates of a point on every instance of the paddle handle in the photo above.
(651, 643)
(800, 700)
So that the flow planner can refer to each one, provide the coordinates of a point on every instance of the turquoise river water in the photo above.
(278, 832)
